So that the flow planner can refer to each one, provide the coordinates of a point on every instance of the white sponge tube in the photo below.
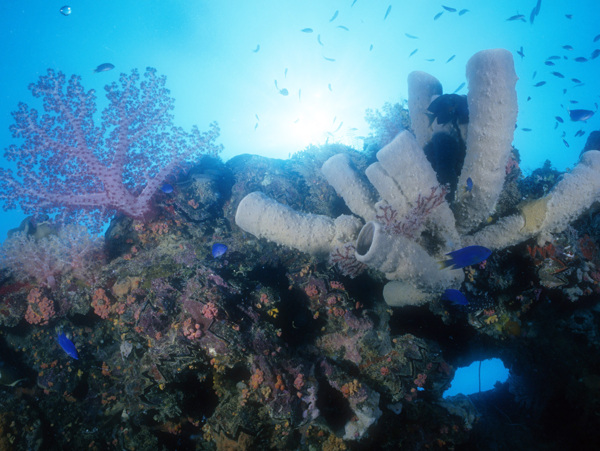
(492, 101)
(422, 87)
(571, 196)
(317, 235)
(400, 258)
(349, 185)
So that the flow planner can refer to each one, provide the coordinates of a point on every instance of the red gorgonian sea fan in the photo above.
(67, 164)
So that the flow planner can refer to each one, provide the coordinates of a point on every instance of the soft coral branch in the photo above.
(67, 164)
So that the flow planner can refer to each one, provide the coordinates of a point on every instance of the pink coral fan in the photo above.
(67, 164)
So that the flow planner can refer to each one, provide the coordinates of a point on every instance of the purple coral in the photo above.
(68, 164)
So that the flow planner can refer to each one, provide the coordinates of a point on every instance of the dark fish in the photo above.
(353, 3)
(68, 346)
(534, 74)
(387, 12)
(413, 52)
(462, 85)
(370, 47)
(516, 17)
(579, 133)
(167, 188)
(528, 98)
(595, 54)
(520, 52)
(573, 101)
(450, 9)
(218, 250)
(526, 129)
(557, 74)
(329, 59)
(450, 59)
(539, 83)
(438, 15)
(567, 47)
(569, 16)
(411, 36)
(549, 63)
(307, 30)
(463, 11)
(343, 28)
(319, 40)
(104, 67)
(597, 38)
(469, 185)
(580, 115)
(454, 297)
(535, 11)
(467, 256)
(257, 48)
(559, 119)
(65, 10)
(449, 108)
(553, 57)
(581, 59)
(565, 142)
(335, 14)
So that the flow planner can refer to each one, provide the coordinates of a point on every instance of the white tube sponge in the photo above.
(421, 88)
(574, 193)
(405, 162)
(349, 185)
(315, 234)
(571, 196)
(400, 258)
(492, 101)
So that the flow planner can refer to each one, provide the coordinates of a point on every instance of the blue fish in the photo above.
(104, 67)
(68, 346)
(455, 297)
(469, 186)
(218, 250)
(467, 256)
(580, 115)
(167, 188)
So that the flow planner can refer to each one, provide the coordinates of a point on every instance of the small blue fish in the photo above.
(580, 115)
(451, 58)
(387, 12)
(218, 250)
(467, 256)
(104, 67)
(469, 186)
(257, 48)
(65, 10)
(167, 188)
(462, 85)
(68, 346)
(455, 297)
(307, 30)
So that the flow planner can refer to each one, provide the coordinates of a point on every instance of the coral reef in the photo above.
(402, 176)
(265, 347)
